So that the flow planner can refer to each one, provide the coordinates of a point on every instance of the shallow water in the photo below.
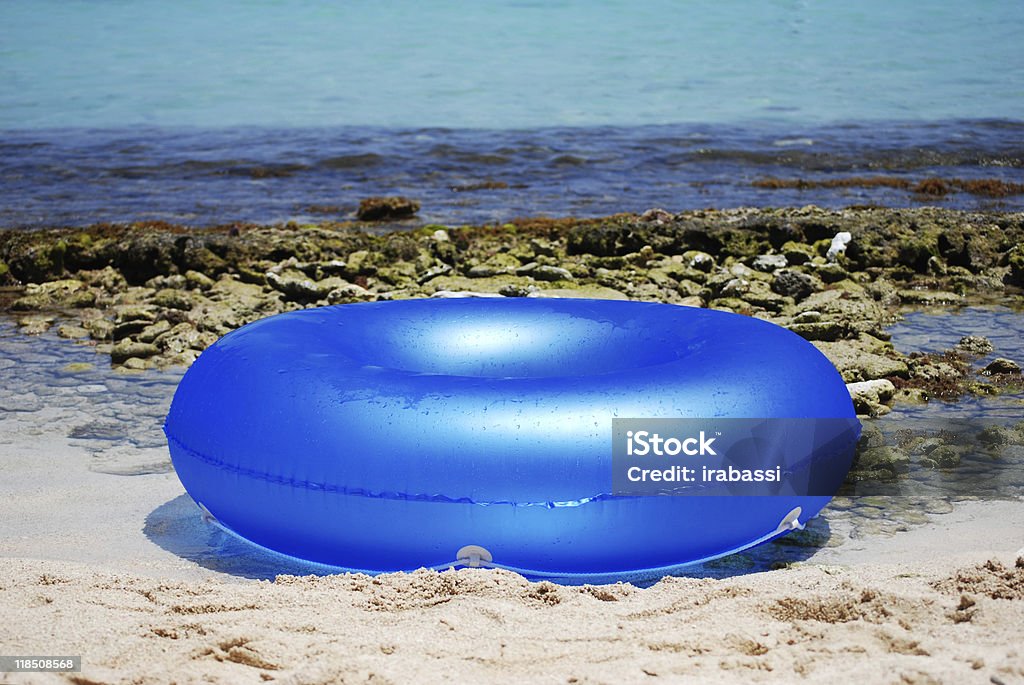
(986, 470)
(207, 176)
(940, 329)
(117, 418)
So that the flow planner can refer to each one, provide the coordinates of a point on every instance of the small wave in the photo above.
(793, 142)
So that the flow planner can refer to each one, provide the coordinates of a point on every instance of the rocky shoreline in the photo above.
(156, 295)
(153, 295)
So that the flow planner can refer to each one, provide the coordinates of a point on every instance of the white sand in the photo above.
(79, 576)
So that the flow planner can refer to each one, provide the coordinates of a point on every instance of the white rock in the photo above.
(463, 293)
(872, 397)
(770, 262)
(838, 246)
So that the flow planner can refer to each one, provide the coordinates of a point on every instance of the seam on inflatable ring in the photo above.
(363, 492)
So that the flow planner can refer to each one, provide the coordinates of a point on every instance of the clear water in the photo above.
(116, 417)
(937, 330)
(505, 64)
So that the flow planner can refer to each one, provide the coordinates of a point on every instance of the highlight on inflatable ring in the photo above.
(396, 435)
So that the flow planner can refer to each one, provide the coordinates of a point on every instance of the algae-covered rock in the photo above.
(100, 329)
(731, 304)
(830, 272)
(807, 316)
(512, 290)
(543, 272)
(145, 254)
(173, 299)
(931, 370)
(1015, 262)
(35, 324)
(72, 332)
(361, 263)
(33, 302)
(760, 294)
(855, 363)
(853, 314)
(885, 458)
(693, 258)
(348, 292)
(595, 292)
(1001, 366)
(181, 337)
(797, 253)
(433, 272)
(77, 367)
(134, 312)
(929, 297)
(975, 345)
(701, 261)
(153, 331)
(126, 349)
(37, 262)
(495, 265)
(942, 457)
(241, 294)
(830, 330)
(492, 285)
(80, 299)
(198, 280)
(294, 285)
(65, 292)
(386, 208)
(793, 284)
(202, 260)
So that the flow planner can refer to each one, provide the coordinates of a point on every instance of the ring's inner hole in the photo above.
(519, 344)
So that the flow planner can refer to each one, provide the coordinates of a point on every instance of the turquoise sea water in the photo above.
(277, 110)
(505, 63)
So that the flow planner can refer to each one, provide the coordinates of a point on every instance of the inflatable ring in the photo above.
(426, 433)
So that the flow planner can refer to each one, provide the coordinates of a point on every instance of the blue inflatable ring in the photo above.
(425, 433)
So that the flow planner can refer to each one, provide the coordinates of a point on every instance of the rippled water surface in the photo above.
(206, 176)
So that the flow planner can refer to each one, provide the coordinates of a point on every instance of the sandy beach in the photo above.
(81, 575)
(940, 603)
